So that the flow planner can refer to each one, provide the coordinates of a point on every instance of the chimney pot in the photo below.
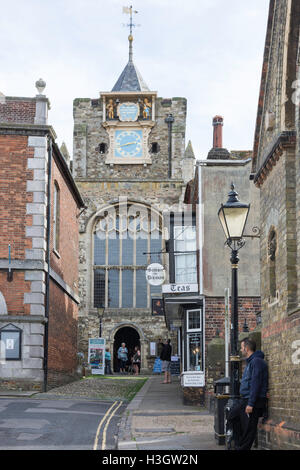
(218, 123)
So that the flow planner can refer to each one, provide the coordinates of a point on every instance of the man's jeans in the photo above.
(245, 426)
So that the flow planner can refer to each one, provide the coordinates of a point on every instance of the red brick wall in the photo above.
(17, 111)
(215, 311)
(62, 346)
(63, 315)
(13, 197)
(67, 264)
(14, 293)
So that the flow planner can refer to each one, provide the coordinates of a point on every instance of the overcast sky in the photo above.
(209, 51)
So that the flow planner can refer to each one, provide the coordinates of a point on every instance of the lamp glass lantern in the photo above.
(233, 216)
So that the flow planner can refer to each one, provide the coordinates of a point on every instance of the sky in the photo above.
(208, 51)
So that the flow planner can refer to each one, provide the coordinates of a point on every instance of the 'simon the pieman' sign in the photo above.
(155, 274)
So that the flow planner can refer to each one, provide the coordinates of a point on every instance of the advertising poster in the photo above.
(97, 355)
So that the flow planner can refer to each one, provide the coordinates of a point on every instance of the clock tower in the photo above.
(129, 112)
(131, 167)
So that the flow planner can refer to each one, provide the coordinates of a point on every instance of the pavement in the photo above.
(157, 419)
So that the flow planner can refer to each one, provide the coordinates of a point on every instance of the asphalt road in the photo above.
(60, 424)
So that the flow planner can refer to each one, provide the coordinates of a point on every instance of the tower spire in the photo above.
(130, 11)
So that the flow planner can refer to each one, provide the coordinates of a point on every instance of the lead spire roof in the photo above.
(130, 79)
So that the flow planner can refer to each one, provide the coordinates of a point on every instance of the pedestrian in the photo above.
(165, 356)
(136, 360)
(107, 362)
(253, 396)
(123, 357)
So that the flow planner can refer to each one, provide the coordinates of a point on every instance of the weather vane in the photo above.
(130, 11)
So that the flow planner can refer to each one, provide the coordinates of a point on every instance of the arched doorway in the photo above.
(130, 337)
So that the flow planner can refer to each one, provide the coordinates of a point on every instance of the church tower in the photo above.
(128, 162)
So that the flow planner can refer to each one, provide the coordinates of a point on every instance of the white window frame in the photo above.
(193, 330)
(178, 231)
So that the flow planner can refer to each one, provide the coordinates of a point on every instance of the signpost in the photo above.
(96, 356)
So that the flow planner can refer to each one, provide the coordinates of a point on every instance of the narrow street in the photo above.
(60, 424)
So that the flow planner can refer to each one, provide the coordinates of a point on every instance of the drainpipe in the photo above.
(169, 120)
(48, 262)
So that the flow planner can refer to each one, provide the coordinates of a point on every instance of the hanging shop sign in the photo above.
(155, 274)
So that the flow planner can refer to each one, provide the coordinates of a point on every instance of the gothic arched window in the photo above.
(124, 237)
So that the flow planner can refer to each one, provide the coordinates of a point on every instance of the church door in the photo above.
(131, 338)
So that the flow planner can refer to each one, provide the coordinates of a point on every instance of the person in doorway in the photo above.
(123, 357)
(253, 396)
(136, 360)
(107, 362)
(165, 357)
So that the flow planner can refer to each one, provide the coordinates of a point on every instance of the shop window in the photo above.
(10, 341)
(194, 356)
(194, 320)
(194, 340)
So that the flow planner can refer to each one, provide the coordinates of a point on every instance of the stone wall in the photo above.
(89, 133)
(103, 185)
(276, 165)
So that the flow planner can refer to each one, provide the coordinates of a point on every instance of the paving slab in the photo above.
(157, 419)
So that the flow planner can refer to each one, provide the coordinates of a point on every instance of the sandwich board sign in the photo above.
(96, 356)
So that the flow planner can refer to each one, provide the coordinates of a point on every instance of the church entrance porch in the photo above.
(131, 338)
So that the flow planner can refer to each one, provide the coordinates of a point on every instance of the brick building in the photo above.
(38, 249)
(204, 195)
(131, 168)
(276, 169)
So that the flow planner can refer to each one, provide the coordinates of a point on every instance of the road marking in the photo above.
(100, 424)
(107, 423)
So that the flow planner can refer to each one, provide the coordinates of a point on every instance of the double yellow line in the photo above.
(108, 415)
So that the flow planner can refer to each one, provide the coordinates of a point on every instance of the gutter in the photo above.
(223, 162)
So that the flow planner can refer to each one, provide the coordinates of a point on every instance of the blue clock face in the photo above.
(128, 143)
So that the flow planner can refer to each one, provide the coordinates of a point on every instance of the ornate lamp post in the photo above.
(233, 217)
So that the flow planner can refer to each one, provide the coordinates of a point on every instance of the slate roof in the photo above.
(130, 80)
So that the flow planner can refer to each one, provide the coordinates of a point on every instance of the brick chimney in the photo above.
(218, 132)
(218, 152)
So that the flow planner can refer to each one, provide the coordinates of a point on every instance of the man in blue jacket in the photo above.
(253, 393)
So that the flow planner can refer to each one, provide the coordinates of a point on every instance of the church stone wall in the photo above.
(89, 133)
(101, 185)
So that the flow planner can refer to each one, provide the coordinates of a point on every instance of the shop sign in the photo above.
(96, 357)
(193, 379)
(179, 288)
(155, 274)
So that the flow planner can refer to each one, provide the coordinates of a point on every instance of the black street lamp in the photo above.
(233, 217)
